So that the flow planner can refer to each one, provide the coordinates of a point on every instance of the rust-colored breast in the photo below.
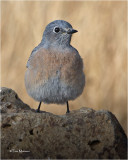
(47, 64)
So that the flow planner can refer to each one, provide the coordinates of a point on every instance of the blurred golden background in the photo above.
(101, 42)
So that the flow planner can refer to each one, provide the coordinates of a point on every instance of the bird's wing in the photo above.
(33, 53)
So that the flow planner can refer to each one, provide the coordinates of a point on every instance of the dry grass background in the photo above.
(101, 42)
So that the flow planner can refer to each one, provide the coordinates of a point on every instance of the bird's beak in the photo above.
(71, 31)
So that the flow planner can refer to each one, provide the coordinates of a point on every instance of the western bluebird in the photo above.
(55, 69)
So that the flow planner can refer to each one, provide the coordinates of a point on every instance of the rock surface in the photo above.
(83, 134)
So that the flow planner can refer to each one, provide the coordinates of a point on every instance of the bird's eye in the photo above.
(56, 29)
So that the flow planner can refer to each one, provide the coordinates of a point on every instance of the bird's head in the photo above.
(58, 32)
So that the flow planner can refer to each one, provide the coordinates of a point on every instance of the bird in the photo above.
(54, 71)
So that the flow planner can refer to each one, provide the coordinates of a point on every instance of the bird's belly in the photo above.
(55, 89)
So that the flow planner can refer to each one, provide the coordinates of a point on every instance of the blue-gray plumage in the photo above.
(55, 69)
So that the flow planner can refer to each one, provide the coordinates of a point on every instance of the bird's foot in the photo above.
(37, 110)
(67, 112)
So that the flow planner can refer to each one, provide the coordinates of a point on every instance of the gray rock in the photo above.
(82, 134)
(11, 103)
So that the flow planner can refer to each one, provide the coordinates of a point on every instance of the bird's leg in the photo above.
(67, 108)
(38, 110)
